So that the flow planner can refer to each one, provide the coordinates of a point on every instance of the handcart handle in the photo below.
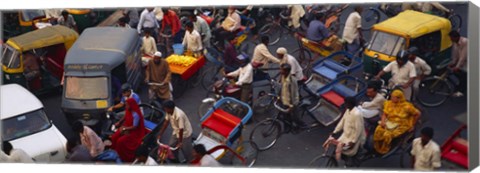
(157, 84)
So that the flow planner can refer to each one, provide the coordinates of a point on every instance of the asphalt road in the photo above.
(296, 151)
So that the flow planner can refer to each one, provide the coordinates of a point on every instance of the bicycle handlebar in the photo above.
(279, 107)
(157, 84)
(160, 144)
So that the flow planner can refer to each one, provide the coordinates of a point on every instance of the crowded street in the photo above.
(292, 150)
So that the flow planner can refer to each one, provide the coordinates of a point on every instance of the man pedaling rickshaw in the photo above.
(353, 134)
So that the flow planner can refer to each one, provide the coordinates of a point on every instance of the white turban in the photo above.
(159, 54)
(282, 50)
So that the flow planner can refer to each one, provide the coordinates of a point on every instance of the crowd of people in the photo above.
(395, 116)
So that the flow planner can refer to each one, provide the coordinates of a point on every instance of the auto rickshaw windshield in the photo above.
(86, 88)
(386, 43)
(24, 125)
(10, 57)
(29, 15)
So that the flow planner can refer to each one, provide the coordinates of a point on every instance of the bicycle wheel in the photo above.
(179, 86)
(262, 106)
(273, 31)
(209, 76)
(405, 157)
(265, 134)
(456, 21)
(323, 161)
(433, 92)
(369, 18)
(304, 57)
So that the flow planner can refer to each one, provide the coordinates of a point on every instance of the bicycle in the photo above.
(436, 89)
(278, 124)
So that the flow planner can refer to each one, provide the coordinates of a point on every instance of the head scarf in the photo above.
(134, 107)
(392, 108)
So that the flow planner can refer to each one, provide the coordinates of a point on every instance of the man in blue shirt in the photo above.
(127, 93)
(316, 29)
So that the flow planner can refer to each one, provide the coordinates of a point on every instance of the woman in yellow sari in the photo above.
(399, 116)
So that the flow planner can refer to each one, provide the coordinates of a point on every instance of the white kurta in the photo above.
(426, 157)
(193, 41)
(353, 130)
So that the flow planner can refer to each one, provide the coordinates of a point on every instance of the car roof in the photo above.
(43, 37)
(103, 45)
(414, 23)
(16, 100)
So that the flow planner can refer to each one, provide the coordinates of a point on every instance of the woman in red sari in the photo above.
(129, 136)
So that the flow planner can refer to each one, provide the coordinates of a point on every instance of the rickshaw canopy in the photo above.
(44, 37)
(413, 24)
(106, 47)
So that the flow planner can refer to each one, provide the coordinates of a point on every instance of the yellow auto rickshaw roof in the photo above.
(413, 24)
(43, 37)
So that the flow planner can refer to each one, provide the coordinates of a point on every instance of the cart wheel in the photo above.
(265, 134)
(323, 161)
(179, 86)
(196, 79)
(248, 151)
(262, 106)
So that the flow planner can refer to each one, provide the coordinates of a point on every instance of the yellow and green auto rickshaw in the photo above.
(28, 18)
(427, 32)
(35, 59)
(88, 18)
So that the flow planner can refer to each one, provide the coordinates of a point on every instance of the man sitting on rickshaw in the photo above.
(317, 31)
(399, 117)
(202, 158)
(261, 57)
(32, 68)
(353, 131)
(229, 26)
(372, 109)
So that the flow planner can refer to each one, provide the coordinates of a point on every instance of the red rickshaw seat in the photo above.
(334, 98)
(221, 122)
(456, 152)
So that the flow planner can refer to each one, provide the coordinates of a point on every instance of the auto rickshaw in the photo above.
(35, 59)
(88, 18)
(427, 32)
(28, 18)
(100, 61)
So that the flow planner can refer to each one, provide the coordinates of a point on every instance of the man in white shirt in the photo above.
(353, 131)
(192, 39)
(11, 155)
(421, 67)
(52, 15)
(459, 61)
(149, 47)
(245, 78)
(205, 159)
(182, 129)
(67, 20)
(200, 25)
(425, 152)
(352, 32)
(403, 74)
(373, 108)
(261, 54)
(296, 13)
(148, 21)
(297, 71)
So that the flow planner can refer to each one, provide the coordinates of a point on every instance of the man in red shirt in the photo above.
(170, 25)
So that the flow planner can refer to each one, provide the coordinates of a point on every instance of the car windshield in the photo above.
(29, 15)
(386, 43)
(10, 57)
(24, 125)
(86, 88)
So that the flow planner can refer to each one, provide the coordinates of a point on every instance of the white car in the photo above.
(27, 127)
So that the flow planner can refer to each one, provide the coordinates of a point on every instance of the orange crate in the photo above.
(187, 72)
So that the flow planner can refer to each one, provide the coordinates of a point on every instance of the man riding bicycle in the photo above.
(353, 135)
(403, 73)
